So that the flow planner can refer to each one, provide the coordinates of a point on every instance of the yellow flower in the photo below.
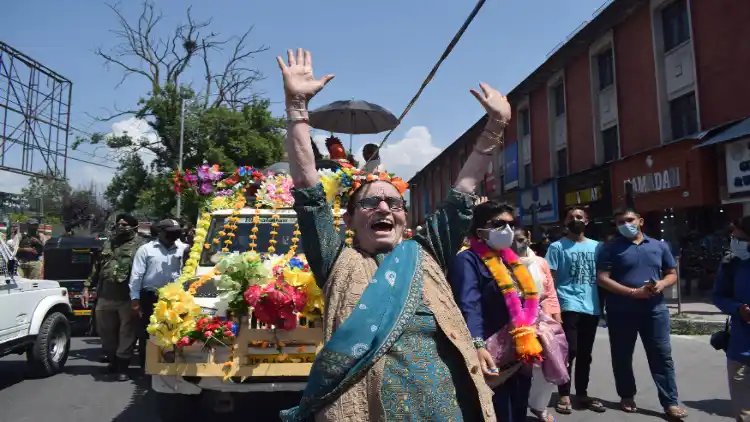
(298, 278)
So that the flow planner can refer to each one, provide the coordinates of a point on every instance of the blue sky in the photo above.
(380, 52)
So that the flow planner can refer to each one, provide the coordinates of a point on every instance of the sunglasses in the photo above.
(499, 224)
(372, 202)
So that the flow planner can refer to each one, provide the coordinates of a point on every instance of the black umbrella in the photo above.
(353, 117)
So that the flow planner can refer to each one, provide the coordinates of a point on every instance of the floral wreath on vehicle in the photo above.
(278, 289)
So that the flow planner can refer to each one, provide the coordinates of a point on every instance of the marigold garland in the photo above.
(523, 316)
(336, 211)
(295, 240)
(274, 231)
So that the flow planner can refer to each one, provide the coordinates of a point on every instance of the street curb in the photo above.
(694, 326)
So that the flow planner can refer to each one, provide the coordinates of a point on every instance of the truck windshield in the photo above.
(241, 241)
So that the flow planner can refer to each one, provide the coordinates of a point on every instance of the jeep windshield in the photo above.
(241, 241)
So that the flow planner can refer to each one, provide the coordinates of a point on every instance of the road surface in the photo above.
(80, 394)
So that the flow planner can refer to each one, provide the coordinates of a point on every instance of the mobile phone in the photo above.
(651, 283)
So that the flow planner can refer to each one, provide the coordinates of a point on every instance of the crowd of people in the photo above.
(127, 274)
(462, 322)
(419, 327)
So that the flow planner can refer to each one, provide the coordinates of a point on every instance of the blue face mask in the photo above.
(629, 230)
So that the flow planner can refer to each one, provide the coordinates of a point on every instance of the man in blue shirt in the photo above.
(155, 265)
(635, 269)
(732, 295)
(572, 260)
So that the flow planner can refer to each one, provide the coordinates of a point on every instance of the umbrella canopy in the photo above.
(353, 117)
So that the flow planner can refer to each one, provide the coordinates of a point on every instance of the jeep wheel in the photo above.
(50, 351)
(178, 407)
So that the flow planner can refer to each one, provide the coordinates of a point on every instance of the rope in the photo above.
(432, 73)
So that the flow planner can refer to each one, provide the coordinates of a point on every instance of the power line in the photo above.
(434, 70)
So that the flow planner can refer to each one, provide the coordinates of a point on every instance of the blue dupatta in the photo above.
(382, 312)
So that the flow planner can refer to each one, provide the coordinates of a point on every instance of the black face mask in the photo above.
(576, 226)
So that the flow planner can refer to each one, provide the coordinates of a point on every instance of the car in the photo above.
(34, 319)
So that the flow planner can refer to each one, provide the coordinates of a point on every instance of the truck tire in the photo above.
(178, 407)
(48, 354)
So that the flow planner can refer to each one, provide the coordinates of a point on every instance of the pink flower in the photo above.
(252, 295)
(228, 334)
(185, 341)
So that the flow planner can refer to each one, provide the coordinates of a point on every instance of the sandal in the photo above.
(563, 406)
(543, 415)
(628, 406)
(592, 404)
(675, 412)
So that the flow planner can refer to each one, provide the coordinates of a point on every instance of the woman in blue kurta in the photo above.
(485, 310)
(397, 347)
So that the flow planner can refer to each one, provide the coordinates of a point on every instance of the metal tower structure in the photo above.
(34, 116)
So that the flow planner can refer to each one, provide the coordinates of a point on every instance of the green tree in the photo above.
(46, 195)
(226, 120)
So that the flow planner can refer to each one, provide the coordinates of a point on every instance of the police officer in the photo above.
(116, 322)
(30, 250)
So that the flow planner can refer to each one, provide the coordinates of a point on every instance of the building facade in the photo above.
(649, 93)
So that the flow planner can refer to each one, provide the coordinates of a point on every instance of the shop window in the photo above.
(606, 69)
(562, 162)
(675, 24)
(611, 145)
(527, 177)
(524, 122)
(683, 116)
(558, 96)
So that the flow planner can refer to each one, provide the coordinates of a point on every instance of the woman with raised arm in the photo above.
(397, 346)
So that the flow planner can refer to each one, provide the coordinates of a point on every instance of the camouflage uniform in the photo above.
(30, 266)
(116, 322)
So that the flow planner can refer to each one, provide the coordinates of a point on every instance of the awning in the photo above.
(731, 132)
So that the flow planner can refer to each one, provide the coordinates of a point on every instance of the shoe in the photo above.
(122, 370)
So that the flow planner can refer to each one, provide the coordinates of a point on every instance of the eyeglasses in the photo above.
(499, 224)
(372, 202)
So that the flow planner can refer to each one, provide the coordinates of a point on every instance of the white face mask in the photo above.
(498, 239)
(740, 249)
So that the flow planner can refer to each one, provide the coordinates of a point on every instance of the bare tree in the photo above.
(162, 60)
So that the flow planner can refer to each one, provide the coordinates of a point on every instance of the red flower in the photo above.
(228, 334)
(208, 334)
(185, 341)
(252, 295)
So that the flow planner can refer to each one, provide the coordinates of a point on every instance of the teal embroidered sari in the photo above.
(390, 321)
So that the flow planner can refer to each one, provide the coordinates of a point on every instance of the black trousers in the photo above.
(148, 300)
(580, 331)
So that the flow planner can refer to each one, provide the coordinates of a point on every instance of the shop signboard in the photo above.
(510, 157)
(738, 166)
(655, 181)
(543, 198)
(583, 196)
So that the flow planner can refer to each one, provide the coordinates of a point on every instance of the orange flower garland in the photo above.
(274, 231)
(254, 229)
(336, 211)
(523, 317)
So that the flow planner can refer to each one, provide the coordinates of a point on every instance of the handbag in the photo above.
(554, 352)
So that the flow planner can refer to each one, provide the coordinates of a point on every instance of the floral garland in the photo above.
(174, 316)
(523, 317)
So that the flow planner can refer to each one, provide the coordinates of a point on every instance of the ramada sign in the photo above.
(656, 181)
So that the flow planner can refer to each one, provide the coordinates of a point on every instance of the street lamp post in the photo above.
(179, 165)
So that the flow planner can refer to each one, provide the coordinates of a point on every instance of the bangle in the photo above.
(488, 152)
(297, 119)
(500, 122)
(296, 109)
(479, 343)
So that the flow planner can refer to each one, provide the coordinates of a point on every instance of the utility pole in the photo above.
(179, 167)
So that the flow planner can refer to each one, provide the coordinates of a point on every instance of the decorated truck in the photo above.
(245, 314)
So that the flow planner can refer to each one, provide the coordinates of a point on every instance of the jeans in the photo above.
(739, 389)
(653, 327)
(512, 397)
(580, 331)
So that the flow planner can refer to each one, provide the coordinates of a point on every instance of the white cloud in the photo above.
(138, 130)
(404, 157)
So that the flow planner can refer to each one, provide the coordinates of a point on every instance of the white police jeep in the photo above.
(33, 318)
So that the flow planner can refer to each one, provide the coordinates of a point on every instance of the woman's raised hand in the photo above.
(299, 81)
(496, 105)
